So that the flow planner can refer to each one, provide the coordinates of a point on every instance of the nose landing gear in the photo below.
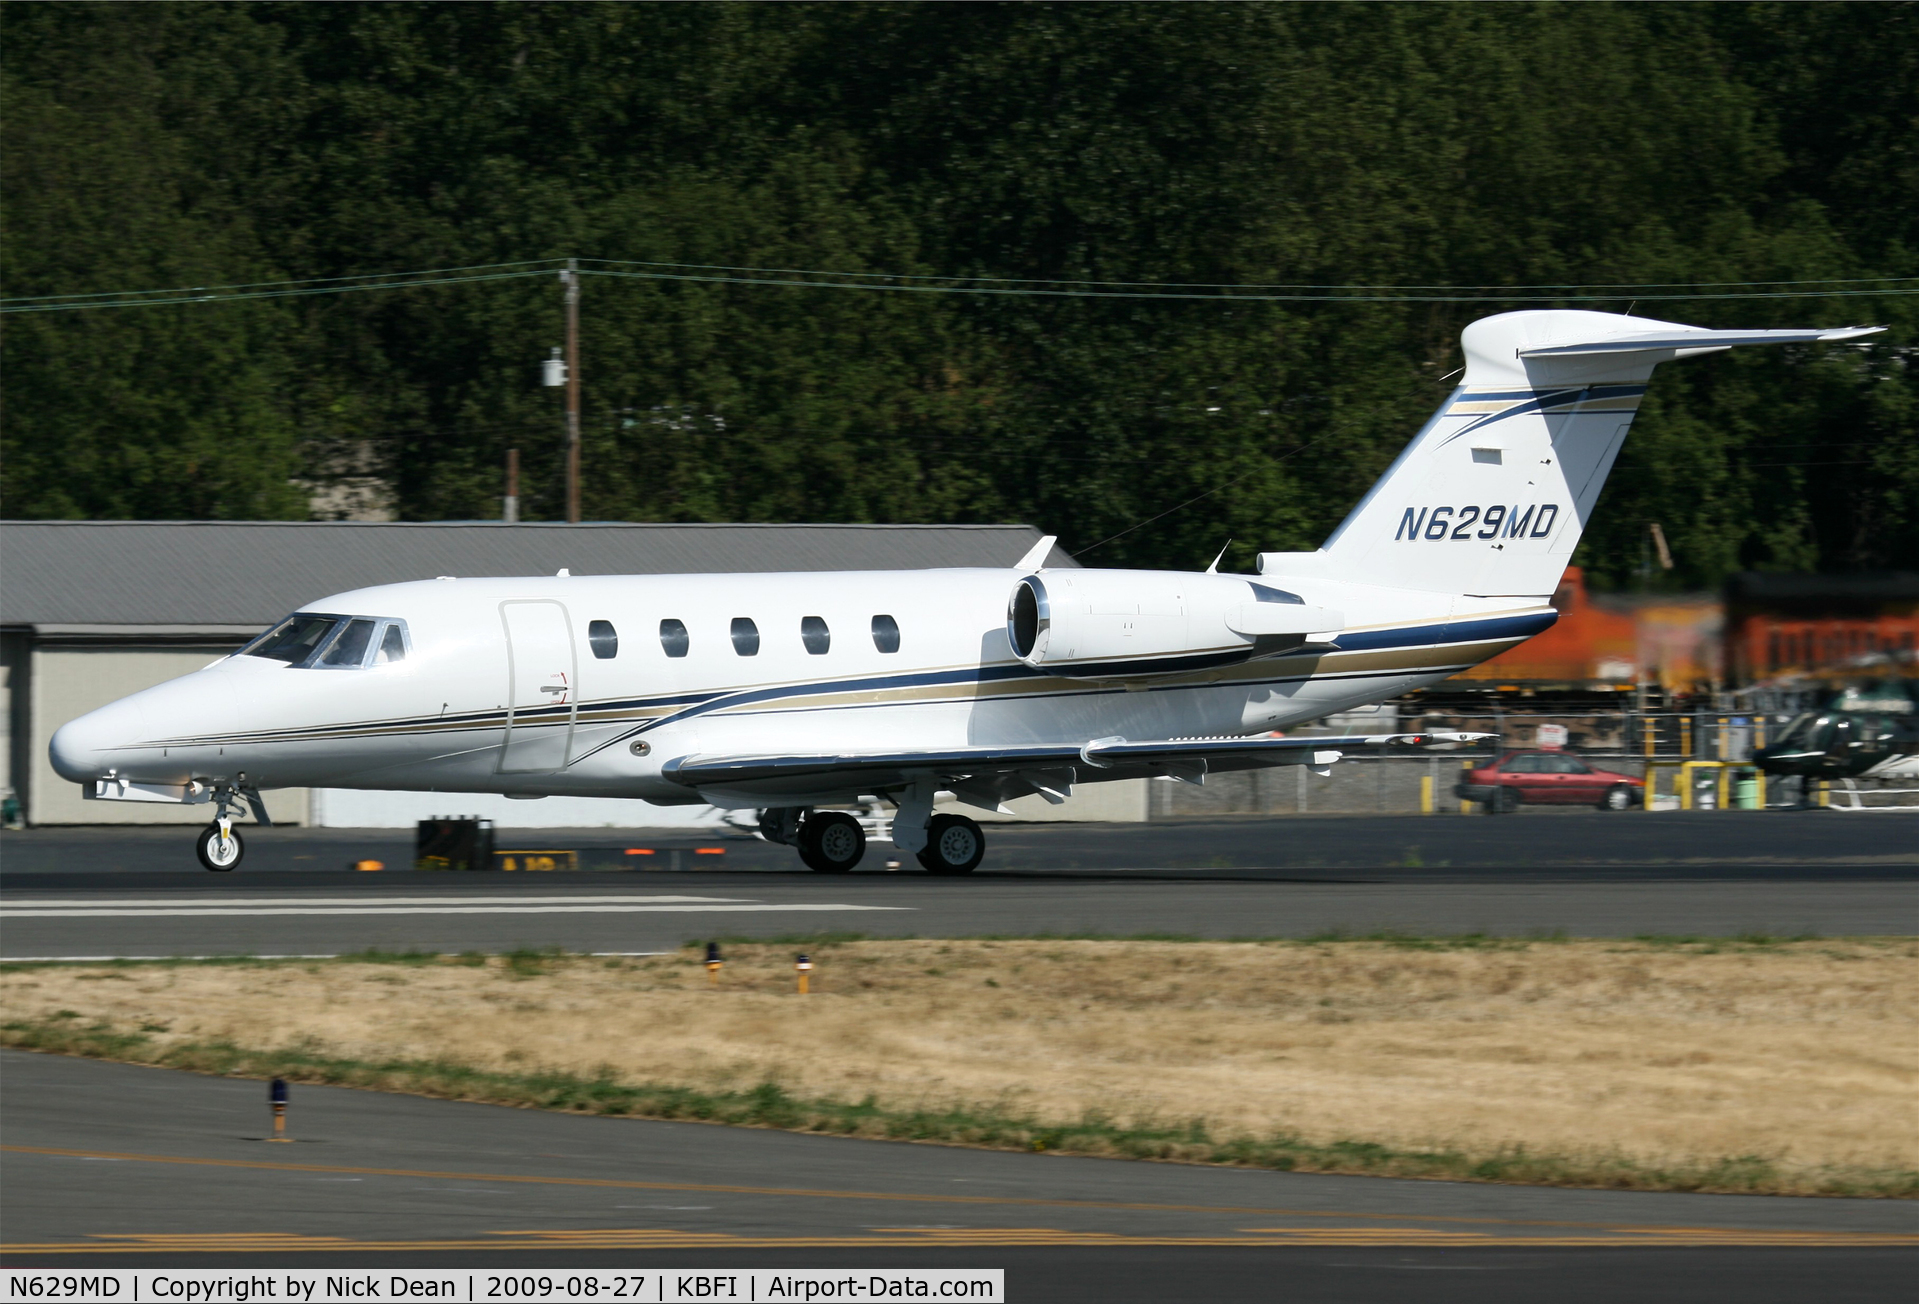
(219, 845)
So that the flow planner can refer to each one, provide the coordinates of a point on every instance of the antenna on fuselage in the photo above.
(1214, 568)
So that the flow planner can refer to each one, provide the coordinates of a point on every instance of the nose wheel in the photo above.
(220, 849)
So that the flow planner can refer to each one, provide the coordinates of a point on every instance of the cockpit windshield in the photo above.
(1809, 732)
(309, 640)
(293, 639)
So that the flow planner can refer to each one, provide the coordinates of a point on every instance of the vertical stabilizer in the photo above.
(1492, 496)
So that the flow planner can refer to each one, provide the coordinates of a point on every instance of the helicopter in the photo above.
(1859, 733)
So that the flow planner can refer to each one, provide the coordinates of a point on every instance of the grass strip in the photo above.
(769, 1105)
(1691, 943)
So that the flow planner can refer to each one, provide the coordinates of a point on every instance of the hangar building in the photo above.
(93, 610)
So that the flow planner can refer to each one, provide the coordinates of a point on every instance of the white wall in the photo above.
(347, 808)
(69, 682)
(1122, 801)
(13, 675)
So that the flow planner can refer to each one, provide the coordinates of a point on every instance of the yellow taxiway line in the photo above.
(641, 1238)
(1371, 1232)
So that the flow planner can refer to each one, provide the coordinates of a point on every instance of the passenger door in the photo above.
(1527, 781)
(542, 686)
(1575, 783)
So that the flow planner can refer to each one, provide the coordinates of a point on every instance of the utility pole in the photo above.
(572, 278)
(511, 514)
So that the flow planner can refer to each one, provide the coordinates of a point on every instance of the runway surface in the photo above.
(129, 1166)
(100, 893)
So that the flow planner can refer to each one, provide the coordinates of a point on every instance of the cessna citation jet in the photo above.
(791, 694)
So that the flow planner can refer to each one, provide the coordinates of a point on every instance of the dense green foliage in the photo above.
(1508, 145)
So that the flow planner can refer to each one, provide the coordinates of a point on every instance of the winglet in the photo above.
(1035, 557)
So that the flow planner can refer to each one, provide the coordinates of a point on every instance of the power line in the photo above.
(197, 290)
(904, 283)
(1230, 295)
(9, 305)
(1219, 488)
(1249, 285)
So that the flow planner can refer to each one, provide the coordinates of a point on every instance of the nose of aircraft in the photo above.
(84, 749)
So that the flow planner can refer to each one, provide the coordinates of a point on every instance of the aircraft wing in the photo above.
(1050, 769)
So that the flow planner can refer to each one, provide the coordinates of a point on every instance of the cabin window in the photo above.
(814, 633)
(603, 639)
(392, 646)
(746, 637)
(886, 634)
(673, 638)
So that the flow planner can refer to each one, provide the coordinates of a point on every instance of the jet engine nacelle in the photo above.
(1098, 624)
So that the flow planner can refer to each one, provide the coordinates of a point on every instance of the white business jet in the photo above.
(789, 694)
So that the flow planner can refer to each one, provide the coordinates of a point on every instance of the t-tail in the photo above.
(1490, 498)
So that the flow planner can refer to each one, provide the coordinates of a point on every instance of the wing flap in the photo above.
(1103, 758)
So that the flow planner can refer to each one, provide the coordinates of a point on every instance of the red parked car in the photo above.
(1549, 777)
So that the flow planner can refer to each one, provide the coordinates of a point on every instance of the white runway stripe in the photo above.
(229, 913)
(365, 899)
(303, 955)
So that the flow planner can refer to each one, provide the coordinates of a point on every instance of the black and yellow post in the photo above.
(277, 1094)
(713, 963)
(803, 967)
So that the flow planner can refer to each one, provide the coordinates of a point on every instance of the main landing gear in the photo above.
(832, 841)
(954, 845)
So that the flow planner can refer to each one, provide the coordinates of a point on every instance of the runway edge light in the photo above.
(277, 1097)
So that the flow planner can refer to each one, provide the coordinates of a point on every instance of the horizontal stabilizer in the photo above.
(1690, 339)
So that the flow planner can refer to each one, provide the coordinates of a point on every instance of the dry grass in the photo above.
(1614, 1056)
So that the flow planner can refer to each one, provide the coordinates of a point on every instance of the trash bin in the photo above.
(1745, 790)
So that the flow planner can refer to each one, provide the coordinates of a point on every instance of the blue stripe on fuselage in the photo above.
(1463, 631)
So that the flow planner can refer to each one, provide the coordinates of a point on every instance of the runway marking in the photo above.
(223, 912)
(1581, 1233)
(365, 899)
(249, 955)
(646, 1238)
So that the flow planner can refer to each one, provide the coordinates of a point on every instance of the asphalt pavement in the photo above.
(102, 893)
(109, 1164)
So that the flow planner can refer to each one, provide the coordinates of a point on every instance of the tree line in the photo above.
(1519, 149)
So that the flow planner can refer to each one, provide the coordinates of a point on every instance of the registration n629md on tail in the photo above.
(791, 694)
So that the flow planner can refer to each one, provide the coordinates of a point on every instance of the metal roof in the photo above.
(187, 575)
